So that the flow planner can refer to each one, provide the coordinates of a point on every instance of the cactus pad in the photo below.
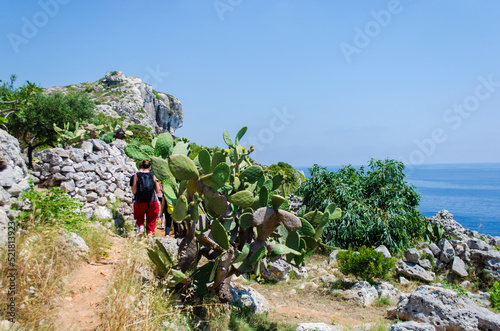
(135, 153)
(220, 175)
(164, 145)
(277, 201)
(182, 167)
(252, 174)
(205, 160)
(219, 234)
(242, 199)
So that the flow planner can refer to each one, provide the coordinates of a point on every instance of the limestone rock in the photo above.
(102, 212)
(170, 245)
(385, 252)
(447, 251)
(245, 296)
(79, 244)
(314, 327)
(458, 267)
(275, 270)
(426, 264)
(412, 326)
(414, 271)
(475, 243)
(363, 292)
(412, 255)
(388, 291)
(332, 258)
(444, 309)
(450, 226)
(436, 251)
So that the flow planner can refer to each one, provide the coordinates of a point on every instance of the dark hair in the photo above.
(145, 164)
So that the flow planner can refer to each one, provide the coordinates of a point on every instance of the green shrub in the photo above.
(292, 178)
(495, 296)
(378, 206)
(140, 133)
(366, 264)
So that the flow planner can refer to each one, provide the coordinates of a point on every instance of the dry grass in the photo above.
(44, 259)
(137, 303)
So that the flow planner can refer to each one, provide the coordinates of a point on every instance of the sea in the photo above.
(471, 192)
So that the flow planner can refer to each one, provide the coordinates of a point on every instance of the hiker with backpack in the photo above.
(145, 187)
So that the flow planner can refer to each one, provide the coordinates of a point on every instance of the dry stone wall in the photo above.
(97, 174)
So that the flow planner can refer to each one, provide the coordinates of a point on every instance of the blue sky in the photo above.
(327, 82)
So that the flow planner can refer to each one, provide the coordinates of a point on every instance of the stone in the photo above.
(478, 244)
(79, 244)
(385, 252)
(458, 267)
(314, 327)
(450, 226)
(426, 264)
(414, 271)
(4, 197)
(412, 255)
(4, 226)
(68, 186)
(99, 145)
(102, 201)
(67, 169)
(101, 212)
(332, 258)
(426, 253)
(276, 270)
(403, 280)
(10, 176)
(444, 309)
(436, 251)
(170, 245)
(363, 292)
(245, 296)
(16, 189)
(87, 147)
(447, 251)
(92, 196)
(412, 326)
(388, 291)
(77, 155)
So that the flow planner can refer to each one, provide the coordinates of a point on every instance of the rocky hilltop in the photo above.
(129, 97)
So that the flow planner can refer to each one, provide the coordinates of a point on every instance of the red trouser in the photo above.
(151, 210)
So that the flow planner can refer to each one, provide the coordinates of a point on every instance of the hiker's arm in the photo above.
(134, 185)
(157, 185)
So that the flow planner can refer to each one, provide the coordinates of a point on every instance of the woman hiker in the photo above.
(145, 187)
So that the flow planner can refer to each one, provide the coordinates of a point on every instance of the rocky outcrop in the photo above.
(13, 179)
(412, 326)
(97, 174)
(117, 95)
(445, 310)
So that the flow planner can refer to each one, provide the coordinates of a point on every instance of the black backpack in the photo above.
(145, 186)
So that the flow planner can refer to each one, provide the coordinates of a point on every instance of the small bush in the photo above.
(495, 296)
(366, 264)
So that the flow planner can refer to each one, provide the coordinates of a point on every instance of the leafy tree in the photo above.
(379, 206)
(33, 124)
(292, 178)
(15, 99)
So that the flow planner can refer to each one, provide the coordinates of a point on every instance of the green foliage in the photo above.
(433, 232)
(291, 178)
(53, 207)
(379, 206)
(34, 125)
(142, 135)
(495, 295)
(366, 264)
(14, 99)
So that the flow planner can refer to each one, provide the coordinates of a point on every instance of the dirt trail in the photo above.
(87, 288)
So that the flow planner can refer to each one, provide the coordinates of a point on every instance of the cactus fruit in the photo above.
(182, 167)
(164, 145)
(205, 160)
(219, 234)
(252, 174)
(180, 209)
(135, 153)
(242, 199)
(220, 175)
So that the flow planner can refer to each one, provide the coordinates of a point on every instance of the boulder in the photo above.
(426, 264)
(102, 212)
(475, 243)
(458, 267)
(275, 270)
(385, 252)
(332, 258)
(412, 255)
(447, 251)
(445, 310)
(363, 292)
(245, 296)
(314, 327)
(414, 271)
(388, 291)
(436, 251)
(170, 245)
(450, 226)
(80, 245)
(412, 326)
